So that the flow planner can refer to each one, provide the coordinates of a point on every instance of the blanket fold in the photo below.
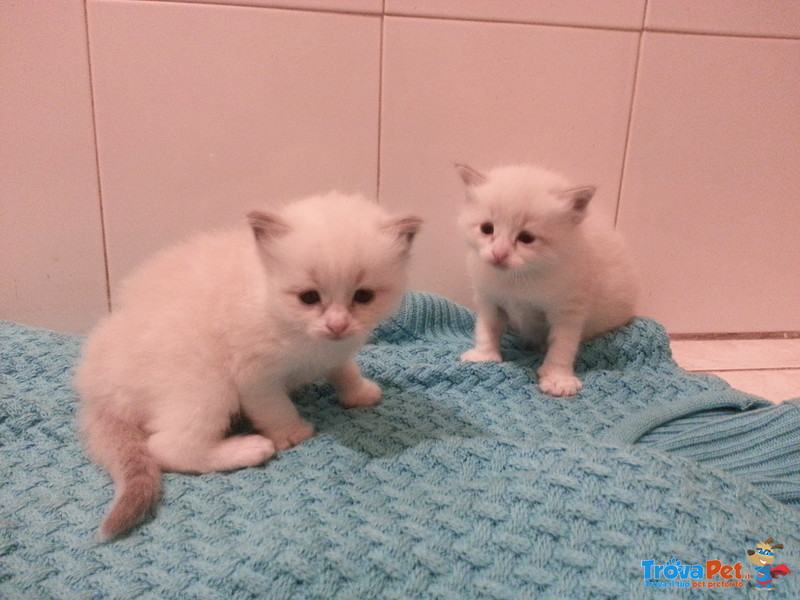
(465, 482)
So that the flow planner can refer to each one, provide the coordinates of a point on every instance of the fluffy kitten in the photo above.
(542, 268)
(229, 323)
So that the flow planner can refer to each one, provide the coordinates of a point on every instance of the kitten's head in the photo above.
(336, 263)
(520, 218)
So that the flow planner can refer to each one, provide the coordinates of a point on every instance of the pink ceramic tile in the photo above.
(708, 199)
(51, 249)
(710, 355)
(205, 111)
(490, 94)
(738, 17)
(775, 386)
(598, 13)
(353, 6)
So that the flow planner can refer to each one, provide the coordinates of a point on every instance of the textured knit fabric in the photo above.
(466, 482)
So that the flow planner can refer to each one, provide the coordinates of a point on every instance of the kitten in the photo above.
(543, 267)
(229, 323)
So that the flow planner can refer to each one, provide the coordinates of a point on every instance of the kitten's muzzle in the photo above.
(337, 323)
(336, 332)
(499, 256)
(499, 260)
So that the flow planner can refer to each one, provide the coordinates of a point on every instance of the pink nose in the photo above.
(499, 256)
(337, 320)
(336, 326)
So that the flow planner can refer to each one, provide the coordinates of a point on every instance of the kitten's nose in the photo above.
(500, 256)
(336, 327)
(336, 321)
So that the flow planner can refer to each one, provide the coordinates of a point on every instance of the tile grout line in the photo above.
(622, 28)
(381, 59)
(626, 145)
(103, 228)
(467, 19)
(743, 336)
(741, 370)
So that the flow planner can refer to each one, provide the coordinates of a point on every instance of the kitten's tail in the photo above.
(121, 447)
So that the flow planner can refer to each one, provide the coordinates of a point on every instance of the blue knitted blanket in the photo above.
(466, 482)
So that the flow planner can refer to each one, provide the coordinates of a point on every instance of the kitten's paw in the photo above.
(238, 452)
(559, 384)
(476, 355)
(292, 434)
(367, 394)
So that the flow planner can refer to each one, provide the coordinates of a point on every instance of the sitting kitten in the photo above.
(541, 267)
(229, 323)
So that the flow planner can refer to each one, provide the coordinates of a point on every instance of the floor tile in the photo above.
(710, 355)
(774, 385)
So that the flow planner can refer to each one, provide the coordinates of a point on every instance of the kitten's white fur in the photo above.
(217, 326)
(543, 266)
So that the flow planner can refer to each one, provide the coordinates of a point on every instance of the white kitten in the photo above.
(541, 267)
(229, 323)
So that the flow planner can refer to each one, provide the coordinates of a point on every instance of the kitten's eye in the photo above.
(310, 297)
(363, 296)
(487, 228)
(525, 237)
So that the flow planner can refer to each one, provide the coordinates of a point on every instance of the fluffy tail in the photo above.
(121, 447)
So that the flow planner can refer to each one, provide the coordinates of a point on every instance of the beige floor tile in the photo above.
(709, 355)
(774, 385)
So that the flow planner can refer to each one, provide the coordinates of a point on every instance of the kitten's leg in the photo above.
(276, 416)
(557, 375)
(187, 433)
(180, 452)
(354, 390)
(489, 328)
(187, 427)
(203, 448)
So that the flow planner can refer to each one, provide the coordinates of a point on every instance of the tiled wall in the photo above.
(128, 124)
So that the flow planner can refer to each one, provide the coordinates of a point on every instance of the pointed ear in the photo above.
(266, 226)
(404, 229)
(578, 199)
(470, 176)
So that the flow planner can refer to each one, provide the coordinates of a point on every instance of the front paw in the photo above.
(292, 434)
(478, 355)
(368, 393)
(559, 383)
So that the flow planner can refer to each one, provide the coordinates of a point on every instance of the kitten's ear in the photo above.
(470, 176)
(266, 226)
(578, 199)
(404, 229)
